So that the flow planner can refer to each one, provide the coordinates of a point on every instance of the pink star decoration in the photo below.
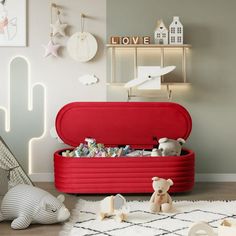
(51, 49)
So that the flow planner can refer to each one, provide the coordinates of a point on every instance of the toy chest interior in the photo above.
(118, 124)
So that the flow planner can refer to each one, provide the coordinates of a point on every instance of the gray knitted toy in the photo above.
(25, 204)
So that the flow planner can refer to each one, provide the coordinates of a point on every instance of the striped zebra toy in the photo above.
(25, 204)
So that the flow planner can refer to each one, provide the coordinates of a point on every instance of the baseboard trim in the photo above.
(42, 177)
(213, 177)
(49, 177)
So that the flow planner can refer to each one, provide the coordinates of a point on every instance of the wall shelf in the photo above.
(114, 47)
(163, 83)
(148, 46)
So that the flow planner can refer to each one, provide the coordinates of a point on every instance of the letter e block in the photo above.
(146, 40)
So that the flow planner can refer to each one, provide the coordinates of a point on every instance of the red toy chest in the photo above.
(121, 123)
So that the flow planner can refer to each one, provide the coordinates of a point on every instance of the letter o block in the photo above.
(125, 40)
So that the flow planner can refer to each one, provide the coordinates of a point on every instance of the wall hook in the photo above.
(54, 5)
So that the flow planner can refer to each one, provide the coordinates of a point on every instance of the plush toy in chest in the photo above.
(138, 124)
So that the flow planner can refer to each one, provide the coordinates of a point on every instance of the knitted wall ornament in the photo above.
(51, 49)
(82, 46)
(56, 29)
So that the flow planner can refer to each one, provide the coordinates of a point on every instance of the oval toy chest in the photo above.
(121, 123)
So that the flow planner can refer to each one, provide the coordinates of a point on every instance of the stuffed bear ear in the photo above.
(170, 182)
(61, 198)
(155, 178)
(163, 140)
(181, 141)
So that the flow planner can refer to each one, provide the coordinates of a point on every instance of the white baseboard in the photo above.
(216, 177)
(42, 177)
(49, 177)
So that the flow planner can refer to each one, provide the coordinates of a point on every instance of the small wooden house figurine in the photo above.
(176, 31)
(161, 33)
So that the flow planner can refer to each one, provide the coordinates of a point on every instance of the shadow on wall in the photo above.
(101, 49)
(200, 75)
(193, 31)
(25, 124)
(3, 182)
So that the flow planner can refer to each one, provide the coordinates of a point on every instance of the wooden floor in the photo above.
(202, 191)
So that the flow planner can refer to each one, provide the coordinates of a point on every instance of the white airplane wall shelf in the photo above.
(149, 78)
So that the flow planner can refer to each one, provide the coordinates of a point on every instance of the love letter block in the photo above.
(126, 40)
(114, 40)
(146, 40)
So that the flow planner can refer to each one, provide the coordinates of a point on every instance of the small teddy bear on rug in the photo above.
(160, 200)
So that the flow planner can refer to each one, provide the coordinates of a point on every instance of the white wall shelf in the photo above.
(163, 83)
(149, 46)
(114, 47)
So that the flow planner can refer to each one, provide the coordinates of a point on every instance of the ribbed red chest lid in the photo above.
(119, 123)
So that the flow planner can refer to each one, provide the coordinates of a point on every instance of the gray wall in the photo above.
(209, 25)
(58, 76)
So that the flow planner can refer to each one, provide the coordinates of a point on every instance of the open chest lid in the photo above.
(121, 123)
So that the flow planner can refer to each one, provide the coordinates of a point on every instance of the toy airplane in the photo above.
(150, 80)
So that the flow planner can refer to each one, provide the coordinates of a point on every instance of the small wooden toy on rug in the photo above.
(226, 228)
(114, 206)
(160, 200)
(202, 227)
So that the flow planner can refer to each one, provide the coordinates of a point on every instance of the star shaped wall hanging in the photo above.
(58, 28)
(51, 49)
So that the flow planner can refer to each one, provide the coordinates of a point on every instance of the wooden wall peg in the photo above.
(54, 5)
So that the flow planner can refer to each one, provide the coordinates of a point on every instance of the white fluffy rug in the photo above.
(141, 222)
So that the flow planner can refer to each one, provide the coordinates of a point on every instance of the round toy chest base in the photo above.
(102, 175)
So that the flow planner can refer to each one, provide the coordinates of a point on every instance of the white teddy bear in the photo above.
(170, 147)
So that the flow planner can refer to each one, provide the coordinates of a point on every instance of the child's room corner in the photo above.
(117, 118)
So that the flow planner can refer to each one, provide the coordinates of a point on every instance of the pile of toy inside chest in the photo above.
(117, 147)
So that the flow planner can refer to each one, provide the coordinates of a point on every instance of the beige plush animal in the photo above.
(160, 199)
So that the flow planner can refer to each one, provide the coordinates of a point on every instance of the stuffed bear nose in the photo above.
(63, 214)
(159, 191)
